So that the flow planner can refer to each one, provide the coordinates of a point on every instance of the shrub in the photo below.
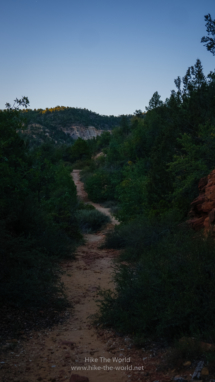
(38, 227)
(101, 185)
(91, 220)
(28, 261)
(112, 205)
(96, 186)
(85, 206)
(169, 292)
(184, 349)
(139, 234)
(79, 150)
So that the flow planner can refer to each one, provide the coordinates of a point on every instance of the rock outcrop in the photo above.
(57, 133)
(79, 131)
(202, 211)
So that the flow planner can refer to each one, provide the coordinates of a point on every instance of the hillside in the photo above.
(62, 124)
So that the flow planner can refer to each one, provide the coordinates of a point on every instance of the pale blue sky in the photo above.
(104, 55)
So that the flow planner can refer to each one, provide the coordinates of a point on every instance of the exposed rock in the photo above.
(78, 378)
(198, 369)
(57, 132)
(79, 131)
(202, 211)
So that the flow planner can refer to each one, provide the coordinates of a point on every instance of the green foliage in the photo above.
(140, 234)
(68, 115)
(196, 160)
(85, 206)
(158, 157)
(151, 169)
(210, 41)
(184, 349)
(37, 216)
(79, 151)
(98, 143)
(101, 185)
(53, 124)
(131, 192)
(91, 220)
(169, 292)
(154, 101)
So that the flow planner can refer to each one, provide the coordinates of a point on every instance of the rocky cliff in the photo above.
(202, 213)
(79, 131)
(38, 133)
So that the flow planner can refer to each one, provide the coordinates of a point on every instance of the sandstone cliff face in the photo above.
(74, 131)
(202, 211)
(78, 131)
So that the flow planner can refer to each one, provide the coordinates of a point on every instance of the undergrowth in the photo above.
(169, 291)
(91, 220)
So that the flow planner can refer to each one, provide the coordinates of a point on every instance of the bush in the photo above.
(38, 226)
(85, 206)
(83, 164)
(28, 261)
(140, 234)
(91, 220)
(112, 205)
(96, 186)
(169, 292)
(79, 150)
(101, 185)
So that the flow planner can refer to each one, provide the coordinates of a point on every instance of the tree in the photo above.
(210, 41)
(154, 101)
(138, 113)
(24, 102)
(80, 150)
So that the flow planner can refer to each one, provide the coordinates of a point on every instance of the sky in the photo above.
(108, 56)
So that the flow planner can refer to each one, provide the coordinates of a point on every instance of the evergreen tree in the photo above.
(209, 41)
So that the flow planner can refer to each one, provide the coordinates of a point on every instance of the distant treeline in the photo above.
(65, 116)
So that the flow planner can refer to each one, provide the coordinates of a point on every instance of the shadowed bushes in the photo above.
(136, 236)
(38, 226)
(91, 220)
(170, 291)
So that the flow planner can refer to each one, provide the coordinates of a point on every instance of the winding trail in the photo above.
(84, 197)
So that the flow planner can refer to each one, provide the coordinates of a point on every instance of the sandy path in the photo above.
(84, 197)
(49, 355)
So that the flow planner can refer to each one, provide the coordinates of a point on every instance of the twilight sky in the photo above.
(108, 56)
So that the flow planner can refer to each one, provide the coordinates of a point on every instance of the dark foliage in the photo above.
(37, 218)
(209, 41)
(91, 220)
(167, 287)
(169, 292)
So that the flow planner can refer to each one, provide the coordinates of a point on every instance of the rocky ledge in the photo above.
(202, 213)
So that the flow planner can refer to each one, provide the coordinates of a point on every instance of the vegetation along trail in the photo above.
(57, 354)
(49, 354)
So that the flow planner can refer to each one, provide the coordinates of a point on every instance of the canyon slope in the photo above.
(63, 125)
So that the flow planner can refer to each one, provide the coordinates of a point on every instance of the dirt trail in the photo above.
(84, 197)
(49, 354)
